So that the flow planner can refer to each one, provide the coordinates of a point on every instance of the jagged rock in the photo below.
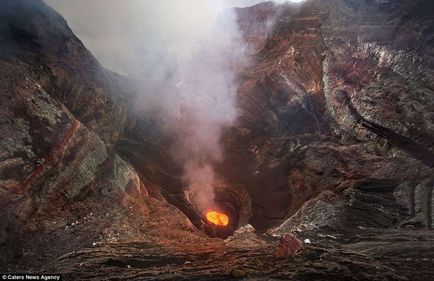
(238, 273)
(62, 186)
(339, 92)
(334, 141)
(289, 246)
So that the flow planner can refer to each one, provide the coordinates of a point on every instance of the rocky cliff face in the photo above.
(62, 185)
(339, 95)
(335, 141)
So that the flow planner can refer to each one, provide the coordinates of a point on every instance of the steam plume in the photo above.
(182, 52)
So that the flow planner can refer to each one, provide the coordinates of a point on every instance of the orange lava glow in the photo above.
(217, 218)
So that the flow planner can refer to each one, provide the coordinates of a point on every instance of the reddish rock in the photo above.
(289, 245)
(335, 132)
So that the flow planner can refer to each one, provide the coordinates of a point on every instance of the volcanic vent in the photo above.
(229, 209)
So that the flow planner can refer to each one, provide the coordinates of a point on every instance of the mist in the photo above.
(182, 53)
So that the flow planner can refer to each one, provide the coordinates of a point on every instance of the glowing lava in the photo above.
(217, 218)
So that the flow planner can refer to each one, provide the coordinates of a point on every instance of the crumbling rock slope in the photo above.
(62, 186)
(341, 92)
(335, 142)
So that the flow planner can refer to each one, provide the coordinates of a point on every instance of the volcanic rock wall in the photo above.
(336, 111)
(62, 186)
(339, 94)
(333, 89)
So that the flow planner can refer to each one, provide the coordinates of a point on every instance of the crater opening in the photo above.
(230, 209)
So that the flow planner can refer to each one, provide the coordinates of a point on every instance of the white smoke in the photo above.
(183, 53)
(132, 36)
